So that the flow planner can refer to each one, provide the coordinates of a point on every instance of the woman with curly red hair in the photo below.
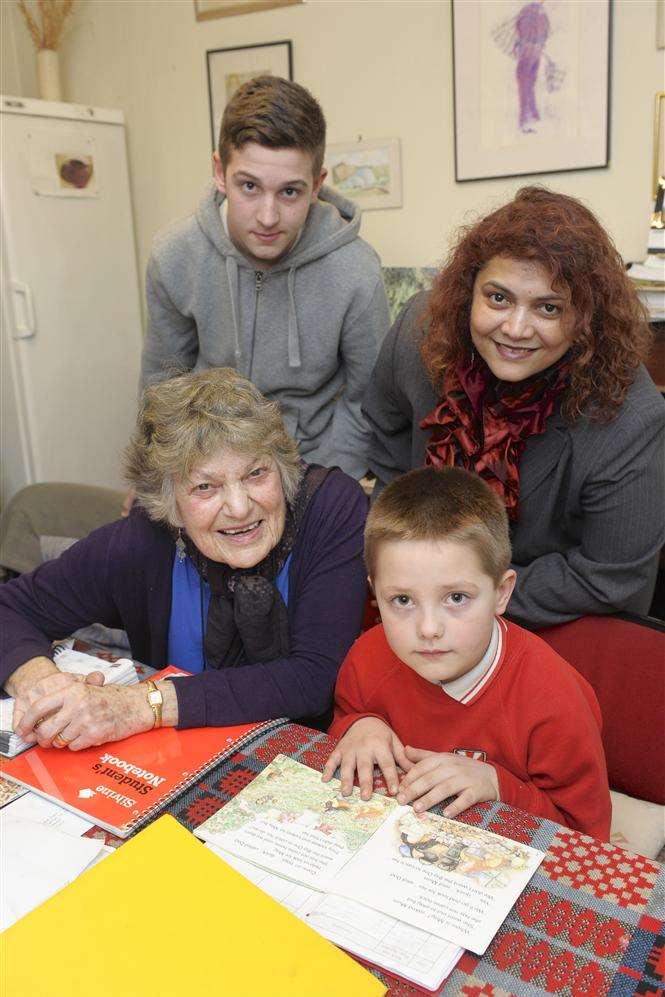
(525, 364)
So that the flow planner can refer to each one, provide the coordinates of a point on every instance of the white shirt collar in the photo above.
(459, 687)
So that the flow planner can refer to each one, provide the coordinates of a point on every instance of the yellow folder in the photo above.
(164, 917)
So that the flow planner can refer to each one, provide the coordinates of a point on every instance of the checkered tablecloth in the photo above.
(590, 923)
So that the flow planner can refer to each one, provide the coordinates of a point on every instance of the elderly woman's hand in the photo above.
(36, 678)
(81, 712)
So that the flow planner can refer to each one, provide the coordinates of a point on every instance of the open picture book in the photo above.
(403, 890)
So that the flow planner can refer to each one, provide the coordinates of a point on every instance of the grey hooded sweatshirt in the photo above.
(306, 331)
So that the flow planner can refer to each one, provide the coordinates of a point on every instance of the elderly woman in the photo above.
(524, 364)
(238, 563)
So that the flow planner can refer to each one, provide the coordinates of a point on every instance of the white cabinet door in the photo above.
(72, 322)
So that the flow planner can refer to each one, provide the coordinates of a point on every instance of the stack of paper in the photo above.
(161, 915)
(405, 891)
(37, 861)
(120, 672)
(649, 281)
(10, 743)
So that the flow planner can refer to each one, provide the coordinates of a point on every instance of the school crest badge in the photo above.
(477, 753)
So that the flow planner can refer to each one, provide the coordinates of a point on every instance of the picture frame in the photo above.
(229, 68)
(658, 158)
(206, 10)
(531, 87)
(366, 172)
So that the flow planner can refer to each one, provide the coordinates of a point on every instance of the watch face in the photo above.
(155, 698)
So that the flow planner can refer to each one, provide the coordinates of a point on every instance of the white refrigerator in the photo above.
(71, 319)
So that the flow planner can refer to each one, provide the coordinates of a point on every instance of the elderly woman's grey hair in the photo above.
(188, 419)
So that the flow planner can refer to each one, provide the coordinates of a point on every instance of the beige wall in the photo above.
(380, 69)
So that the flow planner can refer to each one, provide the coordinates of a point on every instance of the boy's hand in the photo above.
(367, 742)
(433, 776)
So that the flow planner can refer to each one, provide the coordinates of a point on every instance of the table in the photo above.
(590, 923)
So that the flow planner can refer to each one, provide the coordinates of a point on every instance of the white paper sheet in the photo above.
(298, 899)
(409, 952)
(37, 861)
(40, 811)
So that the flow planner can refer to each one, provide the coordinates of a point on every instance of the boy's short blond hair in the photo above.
(441, 504)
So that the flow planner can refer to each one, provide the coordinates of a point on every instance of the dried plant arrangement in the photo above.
(46, 27)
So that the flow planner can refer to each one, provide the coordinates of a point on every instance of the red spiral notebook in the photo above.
(122, 784)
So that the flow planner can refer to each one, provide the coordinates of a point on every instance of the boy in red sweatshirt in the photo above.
(466, 704)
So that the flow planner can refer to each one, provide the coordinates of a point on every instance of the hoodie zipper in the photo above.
(258, 284)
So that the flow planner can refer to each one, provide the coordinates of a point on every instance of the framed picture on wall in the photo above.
(531, 86)
(207, 9)
(368, 173)
(229, 68)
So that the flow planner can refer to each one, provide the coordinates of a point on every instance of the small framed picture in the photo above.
(206, 10)
(229, 68)
(368, 173)
(531, 87)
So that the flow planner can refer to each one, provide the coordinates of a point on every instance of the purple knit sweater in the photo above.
(120, 575)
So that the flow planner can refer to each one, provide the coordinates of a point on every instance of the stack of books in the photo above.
(119, 672)
(649, 280)
(649, 277)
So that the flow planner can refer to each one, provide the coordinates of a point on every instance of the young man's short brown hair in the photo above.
(441, 504)
(275, 113)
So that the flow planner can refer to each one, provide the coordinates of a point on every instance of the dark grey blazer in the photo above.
(592, 495)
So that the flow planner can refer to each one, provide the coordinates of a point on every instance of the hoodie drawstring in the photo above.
(293, 335)
(232, 278)
(294, 339)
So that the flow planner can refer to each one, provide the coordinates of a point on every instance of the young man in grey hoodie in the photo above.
(270, 277)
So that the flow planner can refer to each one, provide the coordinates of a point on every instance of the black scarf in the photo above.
(247, 618)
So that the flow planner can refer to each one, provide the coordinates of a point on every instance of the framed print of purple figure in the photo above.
(531, 86)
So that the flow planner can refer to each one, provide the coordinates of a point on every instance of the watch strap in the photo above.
(155, 702)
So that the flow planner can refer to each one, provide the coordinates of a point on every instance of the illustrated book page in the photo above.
(450, 879)
(456, 880)
(289, 822)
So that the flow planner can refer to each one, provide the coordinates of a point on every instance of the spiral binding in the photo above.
(262, 728)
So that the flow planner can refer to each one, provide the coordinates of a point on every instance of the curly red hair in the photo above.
(612, 334)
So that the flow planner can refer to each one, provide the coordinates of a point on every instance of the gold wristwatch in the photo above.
(155, 702)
